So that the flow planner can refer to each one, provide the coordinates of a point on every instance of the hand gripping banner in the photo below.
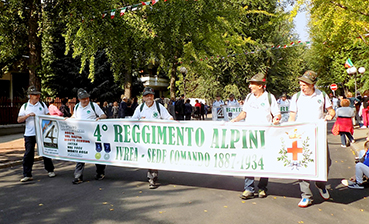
(291, 150)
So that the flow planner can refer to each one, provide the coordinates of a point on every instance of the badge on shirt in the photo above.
(155, 114)
(88, 112)
(40, 108)
(320, 101)
(262, 104)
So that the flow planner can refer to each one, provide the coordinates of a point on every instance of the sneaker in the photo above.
(99, 176)
(347, 182)
(25, 179)
(152, 184)
(324, 193)
(305, 202)
(77, 181)
(247, 194)
(51, 174)
(262, 193)
(353, 141)
(363, 127)
(356, 186)
(343, 146)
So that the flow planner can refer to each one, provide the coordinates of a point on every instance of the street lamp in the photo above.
(183, 70)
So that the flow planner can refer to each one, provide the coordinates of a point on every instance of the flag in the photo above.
(154, 1)
(122, 11)
(284, 46)
(348, 63)
(112, 14)
(292, 43)
(104, 14)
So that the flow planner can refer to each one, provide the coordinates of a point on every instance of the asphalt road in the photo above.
(123, 197)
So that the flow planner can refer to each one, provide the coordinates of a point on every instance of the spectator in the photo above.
(53, 110)
(188, 110)
(115, 110)
(179, 106)
(344, 123)
(64, 108)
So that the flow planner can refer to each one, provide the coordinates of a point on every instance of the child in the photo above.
(362, 168)
(344, 121)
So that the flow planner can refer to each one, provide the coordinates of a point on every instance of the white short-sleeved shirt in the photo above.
(218, 103)
(234, 102)
(152, 112)
(38, 109)
(87, 113)
(258, 110)
(284, 105)
(310, 108)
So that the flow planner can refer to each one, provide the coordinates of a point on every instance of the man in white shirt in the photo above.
(232, 101)
(151, 110)
(218, 102)
(91, 111)
(258, 108)
(284, 105)
(309, 105)
(27, 114)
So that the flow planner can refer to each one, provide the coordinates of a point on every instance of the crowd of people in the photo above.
(308, 105)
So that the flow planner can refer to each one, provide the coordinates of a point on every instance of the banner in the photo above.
(225, 113)
(292, 150)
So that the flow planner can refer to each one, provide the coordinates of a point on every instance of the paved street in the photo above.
(123, 196)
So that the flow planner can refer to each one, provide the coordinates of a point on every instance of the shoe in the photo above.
(77, 181)
(247, 194)
(353, 141)
(262, 193)
(356, 186)
(99, 176)
(363, 127)
(343, 146)
(51, 174)
(324, 193)
(152, 184)
(25, 179)
(305, 202)
(347, 182)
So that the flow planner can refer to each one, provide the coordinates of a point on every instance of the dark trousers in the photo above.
(343, 137)
(29, 157)
(78, 172)
(153, 175)
(187, 116)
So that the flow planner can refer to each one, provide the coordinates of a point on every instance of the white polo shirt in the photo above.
(38, 109)
(258, 110)
(218, 103)
(87, 113)
(309, 108)
(234, 102)
(151, 113)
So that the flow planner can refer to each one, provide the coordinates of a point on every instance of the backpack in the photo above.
(92, 106)
(157, 107)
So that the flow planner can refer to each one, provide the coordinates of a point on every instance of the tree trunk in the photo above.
(34, 43)
(128, 84)
(173, 77)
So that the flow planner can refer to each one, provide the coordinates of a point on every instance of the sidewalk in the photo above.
(12, 147)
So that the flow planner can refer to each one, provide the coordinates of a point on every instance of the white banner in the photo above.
(225, 113)
(292, 150)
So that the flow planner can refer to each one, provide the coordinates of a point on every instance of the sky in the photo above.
(301, 26)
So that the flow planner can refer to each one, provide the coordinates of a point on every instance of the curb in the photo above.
(17, 162)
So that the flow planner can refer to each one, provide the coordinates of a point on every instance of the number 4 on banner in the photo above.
(97, 133)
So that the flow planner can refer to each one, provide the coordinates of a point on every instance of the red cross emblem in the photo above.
(294, 150)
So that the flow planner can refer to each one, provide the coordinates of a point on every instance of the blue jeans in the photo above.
(29, 157)
(249, 184)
